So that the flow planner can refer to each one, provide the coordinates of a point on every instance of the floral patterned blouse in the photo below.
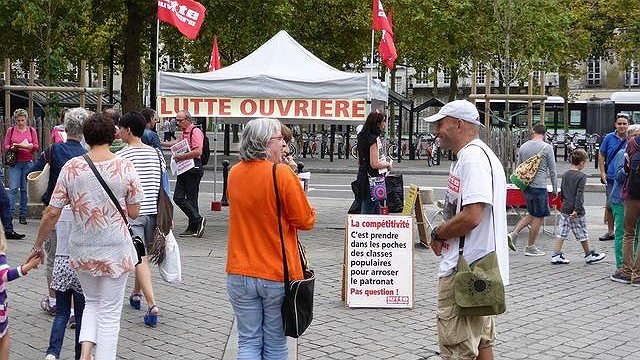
(100, 243)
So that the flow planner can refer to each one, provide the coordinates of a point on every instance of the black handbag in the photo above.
(11, 155)
(297, 305)
(138, 244)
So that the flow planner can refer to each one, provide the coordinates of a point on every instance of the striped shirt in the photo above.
(145, 160)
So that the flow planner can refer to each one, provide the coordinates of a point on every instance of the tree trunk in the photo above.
(564, 92)
(131, 95)
(453, 84)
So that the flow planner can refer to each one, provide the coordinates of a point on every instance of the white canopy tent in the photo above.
(279, 79)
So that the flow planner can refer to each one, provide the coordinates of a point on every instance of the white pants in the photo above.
(101, 317)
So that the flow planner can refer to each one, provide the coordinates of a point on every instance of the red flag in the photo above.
(186, 15)
(214, 62)
(387, 50)
(380, 21)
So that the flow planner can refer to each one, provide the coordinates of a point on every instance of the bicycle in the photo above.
(293, 149)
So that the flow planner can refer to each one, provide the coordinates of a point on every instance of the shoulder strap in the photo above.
(284, 255)
(622, 143)
(108, 190)
(493, 217)
(158, 151)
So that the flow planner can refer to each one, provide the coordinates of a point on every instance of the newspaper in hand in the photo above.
(179, 167)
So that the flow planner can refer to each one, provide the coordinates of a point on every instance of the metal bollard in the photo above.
(225, 174)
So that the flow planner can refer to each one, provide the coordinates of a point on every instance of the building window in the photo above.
(632, 76)
(422, 77)
(593, 72)
(399, 84)
(480, 76)
(446, 76)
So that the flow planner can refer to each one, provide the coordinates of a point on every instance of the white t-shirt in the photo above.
(469, 183)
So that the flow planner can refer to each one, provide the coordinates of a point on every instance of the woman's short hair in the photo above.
(134, 121)
(98, 129)
(20, 112)
(287, 134)
(633, 128)
(256, 136)
(73, 119)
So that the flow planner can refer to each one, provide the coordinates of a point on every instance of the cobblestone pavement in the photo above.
(554, 312)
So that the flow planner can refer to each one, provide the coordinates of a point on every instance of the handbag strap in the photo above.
(108, 190)
(284, 254)
(161, 171)
(493, 217)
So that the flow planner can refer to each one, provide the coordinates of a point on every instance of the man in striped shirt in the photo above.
(149, 164)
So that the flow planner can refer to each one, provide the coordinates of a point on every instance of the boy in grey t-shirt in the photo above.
(572, 214)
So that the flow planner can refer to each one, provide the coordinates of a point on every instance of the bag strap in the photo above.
(622, 143)
(493, 217)
(161, 170)
(108, 190)
(284, 255)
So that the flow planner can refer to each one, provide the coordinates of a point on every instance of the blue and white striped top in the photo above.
(145, 160)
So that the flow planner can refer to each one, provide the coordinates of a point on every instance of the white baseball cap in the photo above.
(459, 109)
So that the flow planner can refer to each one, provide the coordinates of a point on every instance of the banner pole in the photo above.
(157, 58)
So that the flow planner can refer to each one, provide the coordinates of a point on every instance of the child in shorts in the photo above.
(9, 274)
(572, 213)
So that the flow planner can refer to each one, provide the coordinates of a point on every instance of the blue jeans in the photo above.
(63, 309)
(5, 214)
(18, 179)
(256, 303)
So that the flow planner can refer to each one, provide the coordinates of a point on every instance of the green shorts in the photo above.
(460, 336)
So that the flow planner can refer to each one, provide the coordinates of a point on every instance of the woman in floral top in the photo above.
(101, 250)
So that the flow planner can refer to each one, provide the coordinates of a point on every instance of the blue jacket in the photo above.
(619, 177)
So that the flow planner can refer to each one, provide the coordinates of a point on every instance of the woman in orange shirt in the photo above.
(255, 273)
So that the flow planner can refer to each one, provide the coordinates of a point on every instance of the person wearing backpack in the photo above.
(24, 139)
(536, 193)
(630, 273)
(187, 188)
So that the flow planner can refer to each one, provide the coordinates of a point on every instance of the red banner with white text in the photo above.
(186, 15)
(330, 109)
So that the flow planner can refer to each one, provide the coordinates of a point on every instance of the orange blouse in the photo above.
(254, 247)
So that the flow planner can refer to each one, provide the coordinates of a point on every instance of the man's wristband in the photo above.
(435, 235)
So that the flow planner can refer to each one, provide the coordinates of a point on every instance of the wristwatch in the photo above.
(434, 234)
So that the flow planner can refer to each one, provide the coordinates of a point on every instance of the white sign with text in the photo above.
(379, 254)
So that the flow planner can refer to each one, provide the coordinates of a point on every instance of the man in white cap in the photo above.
(475, 212)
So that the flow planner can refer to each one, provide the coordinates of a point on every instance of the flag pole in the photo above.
(157, 58)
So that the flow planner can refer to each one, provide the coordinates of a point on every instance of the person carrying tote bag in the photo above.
(255, 273)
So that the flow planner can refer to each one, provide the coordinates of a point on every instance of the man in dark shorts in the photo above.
(536, 193)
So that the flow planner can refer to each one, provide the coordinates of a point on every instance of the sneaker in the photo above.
(635, 282)
(533, 251)
(511, 240)
(46, 306)
(200, 232)
(559, 259)
(72, 322)
(593, 257)
(620, 277)
(187, 233)
(13, 235)
(50, 357)
(607, 237)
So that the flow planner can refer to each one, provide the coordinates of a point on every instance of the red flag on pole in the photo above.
(186, 15)
(214, 62)
(380, 21)
(387, 50)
